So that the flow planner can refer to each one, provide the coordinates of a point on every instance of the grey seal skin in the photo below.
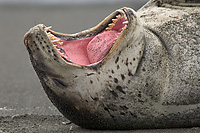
(148, 77)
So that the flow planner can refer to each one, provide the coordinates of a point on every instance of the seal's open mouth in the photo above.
(91, 46)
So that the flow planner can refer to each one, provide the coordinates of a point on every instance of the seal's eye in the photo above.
(60, 83)
(91, 48)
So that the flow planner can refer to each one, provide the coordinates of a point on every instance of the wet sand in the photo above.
(24, 107)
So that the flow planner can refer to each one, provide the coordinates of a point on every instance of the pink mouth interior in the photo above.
(92, 49)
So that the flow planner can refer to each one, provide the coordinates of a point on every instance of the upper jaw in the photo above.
(92, 31)
(84, 34)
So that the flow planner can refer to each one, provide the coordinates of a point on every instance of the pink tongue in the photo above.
(99, 46)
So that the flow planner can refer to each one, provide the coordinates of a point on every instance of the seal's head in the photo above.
(74, 68)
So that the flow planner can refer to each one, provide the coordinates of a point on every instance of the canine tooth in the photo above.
(125, 22)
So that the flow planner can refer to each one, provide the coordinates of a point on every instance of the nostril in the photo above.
(26, 37)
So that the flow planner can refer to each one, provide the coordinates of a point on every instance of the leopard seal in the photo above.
(133, 70)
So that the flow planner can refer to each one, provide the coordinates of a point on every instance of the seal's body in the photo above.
(147, 77)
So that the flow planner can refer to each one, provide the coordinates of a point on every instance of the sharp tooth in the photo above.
(54, 40)
(111, 25)
(124, 27)
(108, 28)
(120, 11)
(114, 20)
(125, 22)
(125, 17)
(47, 28)
(118, 16)
(61, 43)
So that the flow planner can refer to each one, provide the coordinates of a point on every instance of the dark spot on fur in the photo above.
(139, 95)
(151, 60)
(114, 93)
(122, 113)
(117, 59)
(129, 81)
(120, 89)
(112, 107)
(140, 52)
(110, 76)
(146, 85)
(49, 51)
(131, 63)
(48, 46)
(129, 73)
(91, 81)
(45, 42)
(132, 114)
(133, 59)
(122, 76)
(55, 55)
(40, 42)
(95, 98)
(43, 47)
(106, 109)
(143, 69)
(112, 116)
(122, 98)
(112, 71)
(126, 62)
(117, 66)
(115, 80)
(124, 107)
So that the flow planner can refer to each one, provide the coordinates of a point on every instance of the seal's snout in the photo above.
(32, 31)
